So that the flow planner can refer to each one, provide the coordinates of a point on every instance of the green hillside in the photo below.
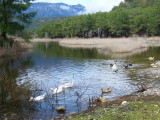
(141, 17)
(39, 22)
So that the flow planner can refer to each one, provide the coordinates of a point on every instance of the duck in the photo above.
(38, 98)
(130, 64)
(102, 100)
(127, 66)
(111, 64)
(114, 67)
(151, 58)
(106, 90)
(61, 109)
(135, 83)
(67, 84)
(56, 90)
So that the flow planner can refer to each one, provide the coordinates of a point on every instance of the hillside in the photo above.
(55, 9)
(140, 17)
(39, 22)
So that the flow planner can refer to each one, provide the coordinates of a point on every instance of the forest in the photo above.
(131, 17)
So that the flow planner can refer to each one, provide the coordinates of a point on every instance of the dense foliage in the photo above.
(141, 17)
(39, 22)
(12, 19)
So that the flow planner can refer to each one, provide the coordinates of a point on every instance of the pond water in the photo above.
(48, 65)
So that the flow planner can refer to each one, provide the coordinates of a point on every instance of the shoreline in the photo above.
(17, 49)
(141, 95)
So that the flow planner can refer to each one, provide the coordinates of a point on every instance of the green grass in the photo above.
(131, 111)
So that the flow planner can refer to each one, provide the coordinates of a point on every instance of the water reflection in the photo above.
(121, 55)
(49, 64)
(13, 98)
(54, 50)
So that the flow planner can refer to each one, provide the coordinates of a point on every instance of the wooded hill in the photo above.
(140, 17)
(39, 22)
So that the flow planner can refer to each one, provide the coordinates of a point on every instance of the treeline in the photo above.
(39, 22)
(140, 17)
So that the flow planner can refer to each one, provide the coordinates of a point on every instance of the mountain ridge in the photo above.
(45, 9)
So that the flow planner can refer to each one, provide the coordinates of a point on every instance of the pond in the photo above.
(48, 65)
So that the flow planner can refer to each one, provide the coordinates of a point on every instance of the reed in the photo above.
(16, 49)
(113, 45)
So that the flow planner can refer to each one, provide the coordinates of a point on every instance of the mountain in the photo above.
(44, 9)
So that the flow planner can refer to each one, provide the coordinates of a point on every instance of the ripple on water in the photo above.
(93, 74)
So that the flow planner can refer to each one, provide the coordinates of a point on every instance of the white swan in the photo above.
(67, 84)
(151, 58)
(38, 98)
(158, 63)
(154, 65)
(56, 90)
(114, 67)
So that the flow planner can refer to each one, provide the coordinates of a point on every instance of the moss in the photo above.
(131, 111)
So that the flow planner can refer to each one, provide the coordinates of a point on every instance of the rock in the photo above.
(56, 118)
(150, 72)
(152, 91)
(124, 103)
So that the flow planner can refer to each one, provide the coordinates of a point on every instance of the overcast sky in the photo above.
(91, 5)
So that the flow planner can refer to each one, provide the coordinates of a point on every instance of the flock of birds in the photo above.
(58, 89)
(65, 85)
(115, 68)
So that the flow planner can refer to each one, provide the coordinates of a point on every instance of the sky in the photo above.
(92, 6)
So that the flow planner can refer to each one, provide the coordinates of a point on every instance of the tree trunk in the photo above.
(4, 38)
(4, 21)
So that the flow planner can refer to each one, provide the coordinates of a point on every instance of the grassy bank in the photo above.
(142, 104)
(129, 111)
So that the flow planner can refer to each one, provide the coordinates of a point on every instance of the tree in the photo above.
(118, 22)
(12, 19)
